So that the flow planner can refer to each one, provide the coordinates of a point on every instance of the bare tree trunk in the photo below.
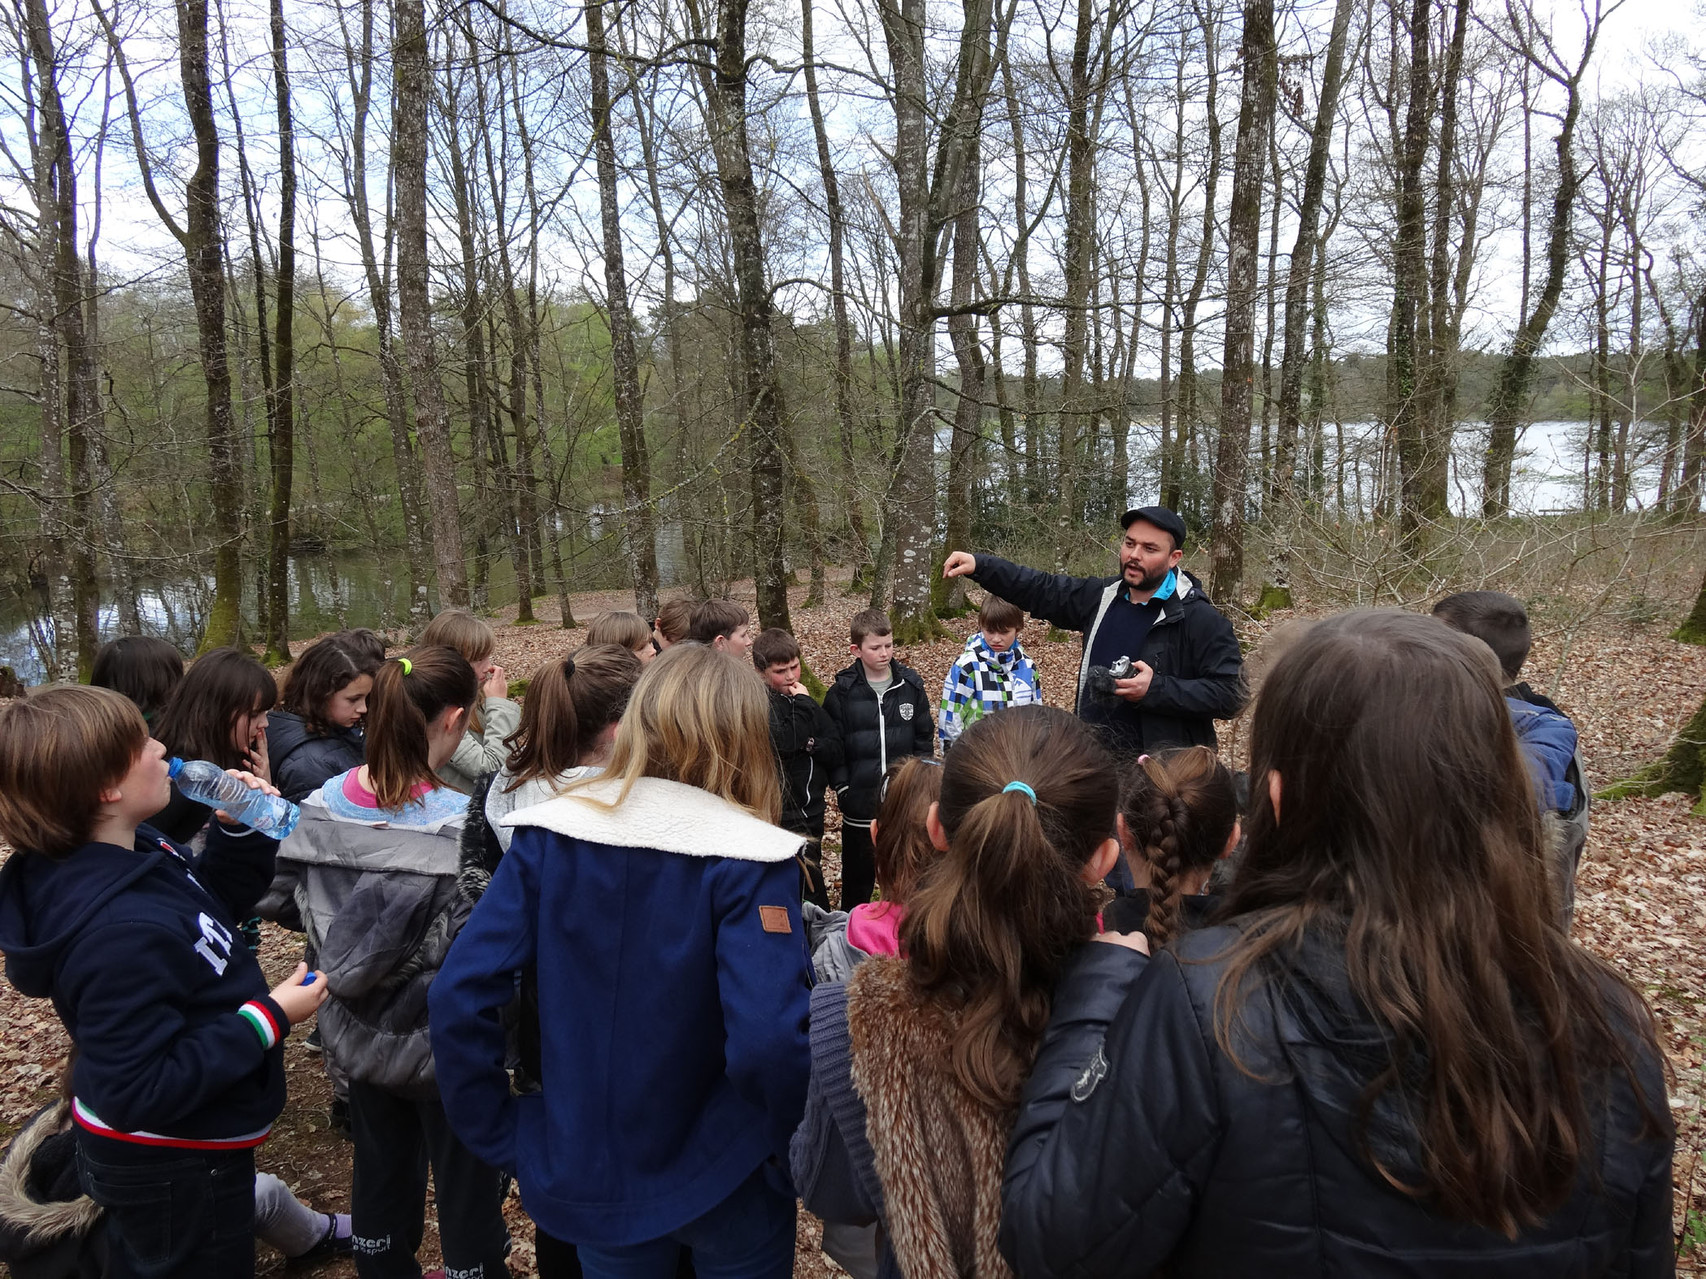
(725, 93)
(411, 79)
(1409, 282)
(963, 447)
(1300, 271)
(1243, 246)
(1516, 373)
(837, 301)
(359, 60)
(281, 399)
(641, 539)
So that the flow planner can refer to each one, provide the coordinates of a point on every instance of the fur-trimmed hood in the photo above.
(28, 1222)
(938, 1151)
(671, 817)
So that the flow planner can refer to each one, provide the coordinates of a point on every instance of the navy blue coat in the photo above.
(137, 948)
(673, 987)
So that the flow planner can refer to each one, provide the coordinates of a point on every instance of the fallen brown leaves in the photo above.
(1641, 895)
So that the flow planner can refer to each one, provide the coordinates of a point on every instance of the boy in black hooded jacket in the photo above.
(884, 714)
(180, 1070)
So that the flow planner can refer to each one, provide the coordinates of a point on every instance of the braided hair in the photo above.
(1180, 807)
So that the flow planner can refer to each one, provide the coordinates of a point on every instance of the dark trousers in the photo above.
(171, 1212)
(750, 1235)
(554, 1259)
(396, 1140)
(858, 866)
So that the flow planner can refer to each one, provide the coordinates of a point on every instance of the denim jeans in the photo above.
(171, 1212)
(750, 1235)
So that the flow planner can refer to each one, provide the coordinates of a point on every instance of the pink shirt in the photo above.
(874, 927)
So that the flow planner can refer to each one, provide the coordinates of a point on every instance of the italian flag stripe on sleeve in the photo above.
(262, 1021)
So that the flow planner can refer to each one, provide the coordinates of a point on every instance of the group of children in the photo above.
(565, 942)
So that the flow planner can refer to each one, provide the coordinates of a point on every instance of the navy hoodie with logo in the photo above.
(178, 1042)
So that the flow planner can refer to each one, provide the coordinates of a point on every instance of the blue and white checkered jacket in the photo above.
(982, 681)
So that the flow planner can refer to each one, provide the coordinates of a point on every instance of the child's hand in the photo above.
(259, 764)
(959, 564)
(798, 689)
(497, 683)
(300, 1001)
(253, 783)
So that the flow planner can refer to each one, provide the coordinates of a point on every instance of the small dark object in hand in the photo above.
(1099, 680)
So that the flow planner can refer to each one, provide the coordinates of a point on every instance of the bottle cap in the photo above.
(175, 767)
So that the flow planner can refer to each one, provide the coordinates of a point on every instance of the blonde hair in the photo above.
(625, 630)
(473, 637)
(697, 718)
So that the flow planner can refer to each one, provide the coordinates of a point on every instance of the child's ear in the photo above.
(111, 795)
(854, 649)
(1124, 831)
(1101, 861)
(934, 828)
(1232, 839)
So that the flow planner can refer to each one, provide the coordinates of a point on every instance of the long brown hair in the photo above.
(698, 718)
(408, 694)
(569, 703)
(1407, 834)
(325, 668)
(993, 919)
(900, 843)
(220, 688)
(1180, 807)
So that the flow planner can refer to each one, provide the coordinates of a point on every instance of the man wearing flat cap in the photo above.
(1187, 671)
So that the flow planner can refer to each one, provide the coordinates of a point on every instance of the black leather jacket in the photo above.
(1150, 1151)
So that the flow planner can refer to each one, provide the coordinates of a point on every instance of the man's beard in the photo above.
(1150, 581)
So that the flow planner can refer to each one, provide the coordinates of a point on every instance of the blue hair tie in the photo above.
(1020, 786)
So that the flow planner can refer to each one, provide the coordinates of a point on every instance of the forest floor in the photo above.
(1641, 893)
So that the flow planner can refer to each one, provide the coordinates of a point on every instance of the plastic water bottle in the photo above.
(271, 815)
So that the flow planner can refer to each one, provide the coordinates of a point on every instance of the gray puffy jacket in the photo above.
(381, 907)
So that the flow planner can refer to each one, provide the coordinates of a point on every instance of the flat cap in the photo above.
(1161, 518)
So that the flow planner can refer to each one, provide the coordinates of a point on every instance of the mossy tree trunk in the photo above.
(1693, 628)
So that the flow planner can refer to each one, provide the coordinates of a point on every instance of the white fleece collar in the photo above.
(669, 816)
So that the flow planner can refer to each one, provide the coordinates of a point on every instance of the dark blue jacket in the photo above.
(302, 761)
(138, 950)
(673, 986)
(1548, 741)
(1199, 669)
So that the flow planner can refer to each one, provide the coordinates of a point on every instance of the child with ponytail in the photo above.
(1178, 817)
(375, 861)
(925, 1054)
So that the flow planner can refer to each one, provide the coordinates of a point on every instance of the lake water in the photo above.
(327, 592)
(355, 589)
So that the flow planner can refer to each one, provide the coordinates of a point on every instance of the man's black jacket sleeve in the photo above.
(1067, 602)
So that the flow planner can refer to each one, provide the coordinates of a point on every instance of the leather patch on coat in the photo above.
(774, 919)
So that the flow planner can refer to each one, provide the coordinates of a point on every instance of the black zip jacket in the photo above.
(808, 748)
(872, 736)
(1199, 670)
(137, 948)
(302, 760)
(1153, 1152)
